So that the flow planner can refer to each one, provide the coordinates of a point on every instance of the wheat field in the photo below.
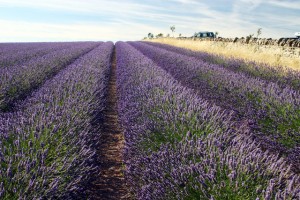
(273, 56)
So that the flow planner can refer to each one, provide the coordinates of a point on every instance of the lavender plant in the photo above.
(48, 145)
(20, 53)
(18, 81)
(162, 100)
(9, 49)
(204, 169)
(283, 76)
(275, 111)
(179, 146)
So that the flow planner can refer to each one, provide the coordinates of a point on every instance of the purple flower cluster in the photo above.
(177, 110)
(17, 81)
(18, 54)
(283, 76)
(274, 110)
(179, 146)
(47, 146)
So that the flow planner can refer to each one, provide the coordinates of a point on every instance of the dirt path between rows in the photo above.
(111, 183)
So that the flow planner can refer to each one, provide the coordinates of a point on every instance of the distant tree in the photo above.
(258, 33)
(179, 34)
(249, 37)
(145, 38)
(150, 36)
(160, 35)
(168, 35)
(172, 29)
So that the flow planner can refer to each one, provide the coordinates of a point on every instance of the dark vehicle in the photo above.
(204, 35)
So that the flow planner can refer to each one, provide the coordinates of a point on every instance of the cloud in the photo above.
(25, 31)
(87, 6)
(132, 19)
(186, 1)
(286, 4)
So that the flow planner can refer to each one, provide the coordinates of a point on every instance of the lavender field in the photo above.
(193, 125)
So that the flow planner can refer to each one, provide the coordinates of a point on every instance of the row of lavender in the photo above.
(179, 146)
(283, 76)
(17, 81)
(10, 52)
(47, 147)
(273, 111)
(16, 54)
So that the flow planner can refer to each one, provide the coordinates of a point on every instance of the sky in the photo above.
(114, 20)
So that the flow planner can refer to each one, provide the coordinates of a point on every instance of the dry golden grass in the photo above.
(271, 55)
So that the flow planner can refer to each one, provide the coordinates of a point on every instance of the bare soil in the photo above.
(111, 182)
